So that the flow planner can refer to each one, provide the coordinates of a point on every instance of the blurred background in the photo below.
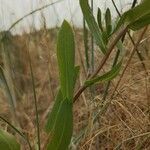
(12, 10)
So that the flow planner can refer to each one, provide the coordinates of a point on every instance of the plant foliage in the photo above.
(7, 141)
(60, 120)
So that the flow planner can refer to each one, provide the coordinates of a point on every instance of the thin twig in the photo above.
(102, 63)
(35, 103)
(138, 53)
(108, 102)
(128, 62)
(118, 51)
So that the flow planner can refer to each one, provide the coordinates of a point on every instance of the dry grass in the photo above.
(127, 116)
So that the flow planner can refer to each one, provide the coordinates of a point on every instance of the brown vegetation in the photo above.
(129, 112)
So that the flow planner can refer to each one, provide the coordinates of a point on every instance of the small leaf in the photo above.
(106, 77)
(66, 59)
(108, 22)
(63, 127)
(93, 26)
(99, 19)
(8, 141)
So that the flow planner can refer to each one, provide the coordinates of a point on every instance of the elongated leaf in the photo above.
(63, 127)
(106, 77)
(93, 26)
(99, 19)
(53, 114)
(137, 17)
(59, 98)
(141, 22)
(8, 141)
(105, 37)
(108, 22)
(60, 122)
(66, 59)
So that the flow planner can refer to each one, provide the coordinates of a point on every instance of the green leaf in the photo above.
(99, 19)
(137, 17)
(59, 98)
(59, 124)
(106, 77)
(61, 133)
(53, 114)
(66, 59)
(52, 117)
(108, 22)
(93, 26)
(8, 141)
(105, 37)
(60, 121)
(141, 22)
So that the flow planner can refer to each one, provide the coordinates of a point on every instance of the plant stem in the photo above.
(133, 51)
(108, 102)
(128, 62)
(108, 84)
(118, 51)
(35, 103)
(138, 53)
(103, 61)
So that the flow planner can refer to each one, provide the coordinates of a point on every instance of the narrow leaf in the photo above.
(63, 127)
(99, 19)
(8, 141)
(93, 26)
(60, 120)
(53, 114)
(106, 77)
(137, 17)
(66, 59)
(105, 37)
(59, 98)
(145, 20)
(108, 22)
